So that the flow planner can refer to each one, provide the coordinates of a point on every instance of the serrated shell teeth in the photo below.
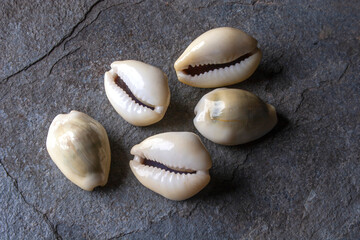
(186, 157)
(213, 49)
(138, 91)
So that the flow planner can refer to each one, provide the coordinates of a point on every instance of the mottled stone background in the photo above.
(300, 181)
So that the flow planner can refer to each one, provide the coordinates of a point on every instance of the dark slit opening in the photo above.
(197, 70)
(151, 163)
(123, 86)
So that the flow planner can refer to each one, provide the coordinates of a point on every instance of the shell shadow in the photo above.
(282, 123)
(177, 118)
(222, 185)
(264, 74)
(118, 168)
(230, 180)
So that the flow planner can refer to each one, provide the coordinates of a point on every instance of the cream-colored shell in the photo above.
(147, 83)
(233, 116)
(176, 150)
(80, 148)
(218, 46)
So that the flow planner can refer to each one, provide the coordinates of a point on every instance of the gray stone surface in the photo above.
(301, 181)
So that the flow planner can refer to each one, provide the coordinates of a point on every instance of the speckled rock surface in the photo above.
(300, 181)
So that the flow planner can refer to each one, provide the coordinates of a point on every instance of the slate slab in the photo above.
(300, 181)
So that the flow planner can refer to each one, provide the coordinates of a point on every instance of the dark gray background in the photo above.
(300, 181)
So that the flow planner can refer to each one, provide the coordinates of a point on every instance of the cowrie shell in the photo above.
(219, 57)
(173, 164)
(80, 148)
(138, 91)
(233, 116)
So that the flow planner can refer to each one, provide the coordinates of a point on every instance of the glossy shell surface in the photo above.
(185, 164)
(233, 116)
(219, 57)
(138, 91)
(80, 148)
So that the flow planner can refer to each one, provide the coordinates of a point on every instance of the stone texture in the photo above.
(300, 181)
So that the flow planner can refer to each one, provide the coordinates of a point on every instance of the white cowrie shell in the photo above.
(80, 148)
(138, 91)
(217, 58)
(173, 164)
(233, 116)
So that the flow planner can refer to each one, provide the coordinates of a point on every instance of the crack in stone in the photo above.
(233, 174)
(97, 16)
(6, 79)
(59, 60)
(209, 5)
(344, 72)
(321, 85)
(68, 40)
(43, 215)
(194, 208)
(65, 39)
(139, 2)
(169, 215)
(125, 234)
(253, 3)
(247, 157)
(301, 99)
